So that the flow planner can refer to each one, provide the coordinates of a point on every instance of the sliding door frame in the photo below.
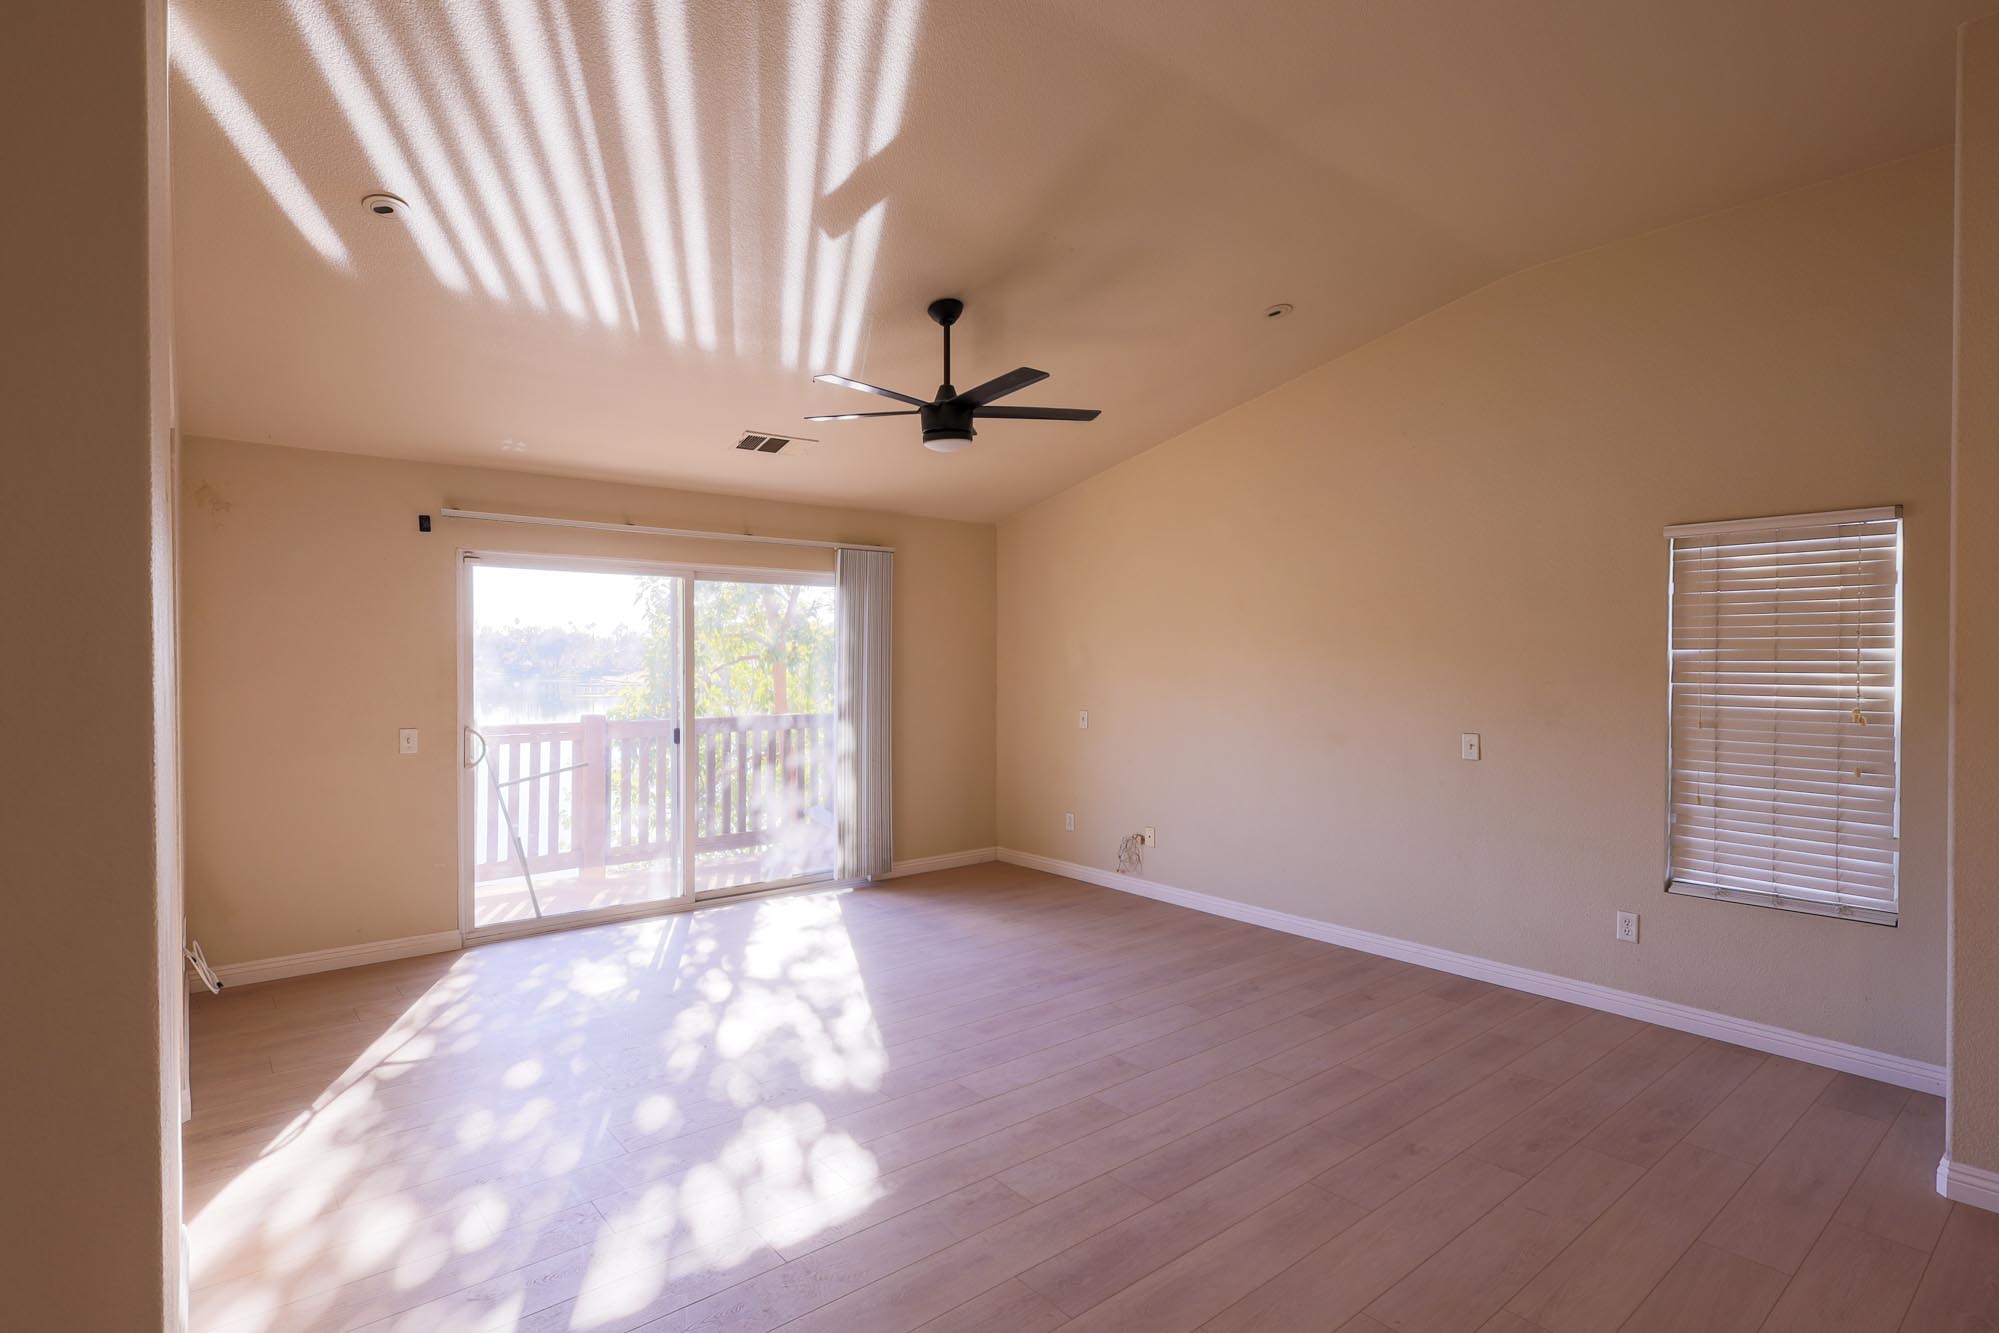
(809, 578)
(686, 898)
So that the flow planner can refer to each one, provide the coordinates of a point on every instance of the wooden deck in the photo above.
(995, 1099)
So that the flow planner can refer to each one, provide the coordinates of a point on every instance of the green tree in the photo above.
(759, 648)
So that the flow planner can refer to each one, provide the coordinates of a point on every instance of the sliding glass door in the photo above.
(592, 789)
(573, 792)
(763, 758)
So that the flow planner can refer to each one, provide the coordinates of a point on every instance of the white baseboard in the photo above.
(382, 951)
(948, 861)
(327, 960)
(1896, 1069)
(1968, 1184)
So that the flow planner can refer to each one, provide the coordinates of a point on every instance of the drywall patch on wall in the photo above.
(210, 503)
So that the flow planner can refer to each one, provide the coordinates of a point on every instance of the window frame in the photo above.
(1776, 899)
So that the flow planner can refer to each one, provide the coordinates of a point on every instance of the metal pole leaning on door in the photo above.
(520, 851)
(506, 813)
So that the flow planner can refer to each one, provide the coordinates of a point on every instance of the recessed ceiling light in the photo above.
(1278, 311)
(385, 205)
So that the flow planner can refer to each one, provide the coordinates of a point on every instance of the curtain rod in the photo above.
(644, 531)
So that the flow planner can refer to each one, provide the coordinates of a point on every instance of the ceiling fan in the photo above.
(947, 419)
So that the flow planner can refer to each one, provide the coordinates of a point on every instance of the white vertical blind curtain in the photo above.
(862, 645)
(1785, 699)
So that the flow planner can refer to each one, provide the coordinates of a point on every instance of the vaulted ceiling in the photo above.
(638, 227)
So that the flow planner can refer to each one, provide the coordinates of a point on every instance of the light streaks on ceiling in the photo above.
(561, 157)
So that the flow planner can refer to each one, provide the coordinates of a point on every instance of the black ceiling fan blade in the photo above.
(846, 383)
(857, 416)
(992, 390)
(1040, 413)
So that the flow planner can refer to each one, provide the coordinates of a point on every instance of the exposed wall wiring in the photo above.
(199, 961)
(1131, 854)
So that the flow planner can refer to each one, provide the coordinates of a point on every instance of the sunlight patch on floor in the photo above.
(514, 1114)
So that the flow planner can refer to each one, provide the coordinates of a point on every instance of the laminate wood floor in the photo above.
(997, 1099)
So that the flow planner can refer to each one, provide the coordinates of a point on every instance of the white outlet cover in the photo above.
(1627, 927)
(1069, 823)
(1150, 837)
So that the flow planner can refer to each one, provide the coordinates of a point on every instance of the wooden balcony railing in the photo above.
(601, 792)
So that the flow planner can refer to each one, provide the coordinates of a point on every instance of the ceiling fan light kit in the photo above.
(947, 419)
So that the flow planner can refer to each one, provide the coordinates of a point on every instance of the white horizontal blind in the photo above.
(1786, 672)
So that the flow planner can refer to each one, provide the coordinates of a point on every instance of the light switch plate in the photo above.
(406, 740)
(1468, 745)
(1083, 719)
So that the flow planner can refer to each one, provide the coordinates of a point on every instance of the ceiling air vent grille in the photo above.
(763, 442)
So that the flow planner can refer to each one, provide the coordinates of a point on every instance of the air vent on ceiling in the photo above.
(763, 442)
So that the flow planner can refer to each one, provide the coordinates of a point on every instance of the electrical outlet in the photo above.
(406, 740)
(1150, 837)
(1069, 823)
(1083, 719)
(1627, 927)
(1468, 745)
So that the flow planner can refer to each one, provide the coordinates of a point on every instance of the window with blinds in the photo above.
(1786, 711)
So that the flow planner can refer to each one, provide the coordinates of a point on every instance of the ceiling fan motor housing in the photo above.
(947, 419)
(947, 426)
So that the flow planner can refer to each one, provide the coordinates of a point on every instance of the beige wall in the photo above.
(1281, 620)
(318, 621)
(89, 1096)
(1973, 1124)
